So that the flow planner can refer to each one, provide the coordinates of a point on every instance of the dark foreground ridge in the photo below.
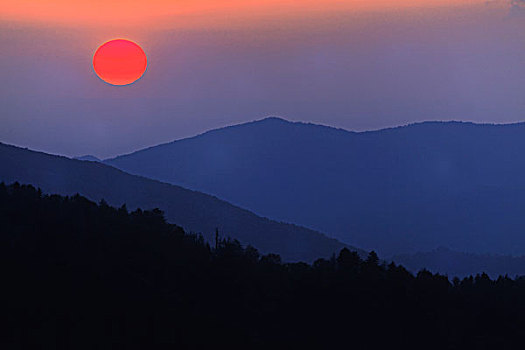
(77, 275)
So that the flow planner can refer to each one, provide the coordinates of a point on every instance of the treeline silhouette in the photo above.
(81, 275)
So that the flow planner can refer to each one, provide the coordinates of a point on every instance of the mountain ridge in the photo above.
(284, 120)
(397, 190)
(193, 210)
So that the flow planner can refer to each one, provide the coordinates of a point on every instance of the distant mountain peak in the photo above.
(278, 121)
(268, 120)
(276, 118)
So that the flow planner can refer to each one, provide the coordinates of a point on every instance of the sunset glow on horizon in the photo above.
(354, 64)
(137, 12)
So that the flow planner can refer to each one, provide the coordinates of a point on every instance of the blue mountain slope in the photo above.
(194, 211)
(398, 190)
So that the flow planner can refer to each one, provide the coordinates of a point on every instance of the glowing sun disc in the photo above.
(119, 62)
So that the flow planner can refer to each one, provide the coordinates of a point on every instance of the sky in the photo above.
(358, 65)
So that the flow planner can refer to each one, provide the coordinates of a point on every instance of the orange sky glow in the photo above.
(186, 12)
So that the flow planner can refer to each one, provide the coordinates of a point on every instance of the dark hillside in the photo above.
(77, 275)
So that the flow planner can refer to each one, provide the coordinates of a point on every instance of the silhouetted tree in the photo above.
(372, 259)
(348, 261)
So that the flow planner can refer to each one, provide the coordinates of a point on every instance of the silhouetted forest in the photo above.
(81, 275)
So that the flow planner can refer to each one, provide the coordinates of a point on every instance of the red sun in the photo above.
(120, 62)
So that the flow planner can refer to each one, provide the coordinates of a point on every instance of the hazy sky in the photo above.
(353, 64)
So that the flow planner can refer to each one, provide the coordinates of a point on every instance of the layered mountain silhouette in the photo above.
(196, 212)
(399, 190)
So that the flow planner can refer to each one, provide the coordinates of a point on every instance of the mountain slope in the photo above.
(396, 190)
(196, 212)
